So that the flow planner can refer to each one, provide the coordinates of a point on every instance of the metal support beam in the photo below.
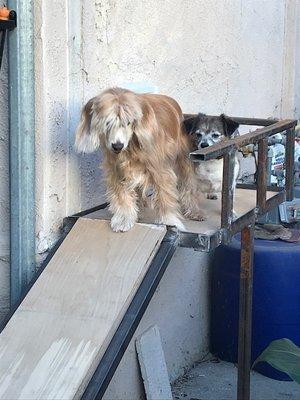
(245, 313)
(262, 174)
(227, 190)
(22, 160)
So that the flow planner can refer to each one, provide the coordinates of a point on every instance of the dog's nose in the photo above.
(203, 145)
(117, 147)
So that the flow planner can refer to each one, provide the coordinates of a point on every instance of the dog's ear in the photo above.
(230, 126)
(189, 124)
(87, 137)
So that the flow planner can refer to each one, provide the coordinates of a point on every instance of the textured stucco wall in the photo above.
(66, 182)
(211, 56)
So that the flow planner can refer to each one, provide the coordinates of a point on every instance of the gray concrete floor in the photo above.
(210, 380)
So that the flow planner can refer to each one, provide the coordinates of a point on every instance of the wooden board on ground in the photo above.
(153, 365)
(245, 200)
(54, 341)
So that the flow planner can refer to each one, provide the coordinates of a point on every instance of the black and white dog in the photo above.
(206, 130)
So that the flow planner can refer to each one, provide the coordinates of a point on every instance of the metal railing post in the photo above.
(245, 313)
(262, 173)
(227, 190)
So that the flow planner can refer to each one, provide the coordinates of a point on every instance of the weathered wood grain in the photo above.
(52, 344)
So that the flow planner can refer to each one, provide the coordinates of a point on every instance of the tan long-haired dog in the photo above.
(144, 148)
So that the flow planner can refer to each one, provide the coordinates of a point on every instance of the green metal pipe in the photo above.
(22, 148)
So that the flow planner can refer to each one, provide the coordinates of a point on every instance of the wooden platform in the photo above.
(54, 341)
(245, 200)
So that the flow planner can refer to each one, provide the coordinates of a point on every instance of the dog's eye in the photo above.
(215, 135)
(199, 135)
(128, 123)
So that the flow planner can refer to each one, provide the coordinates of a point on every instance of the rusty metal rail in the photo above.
(222, 148)
(227, 150)
(245, 224)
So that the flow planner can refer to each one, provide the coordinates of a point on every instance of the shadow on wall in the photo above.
(92, 188)
(76, 179)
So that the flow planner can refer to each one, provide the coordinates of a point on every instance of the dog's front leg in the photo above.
(123, 206)
(188, 190)
(166, 200)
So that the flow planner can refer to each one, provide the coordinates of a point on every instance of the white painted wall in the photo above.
(213, 56)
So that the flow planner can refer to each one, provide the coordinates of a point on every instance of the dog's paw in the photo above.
(200, 216)
(172, 220)
(196, 215)
(121, 223)
(212, 196)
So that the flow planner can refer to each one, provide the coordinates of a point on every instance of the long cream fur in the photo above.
(154, 156)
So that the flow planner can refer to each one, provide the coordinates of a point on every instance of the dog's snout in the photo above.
(117, 147)
(204, 144)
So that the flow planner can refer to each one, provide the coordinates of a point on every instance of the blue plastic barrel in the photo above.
(276, 299)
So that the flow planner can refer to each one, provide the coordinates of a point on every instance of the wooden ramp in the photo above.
(51, 346)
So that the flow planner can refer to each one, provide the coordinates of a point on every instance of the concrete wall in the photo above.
(179, 308)
(211, 56)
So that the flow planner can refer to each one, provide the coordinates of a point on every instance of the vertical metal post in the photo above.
(245, 313)
(227, 189)
(289, 163)
(269, 165)
(22, 149)
(262, 173)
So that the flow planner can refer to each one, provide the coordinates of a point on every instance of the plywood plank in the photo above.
(52, 344)
(244, 201)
